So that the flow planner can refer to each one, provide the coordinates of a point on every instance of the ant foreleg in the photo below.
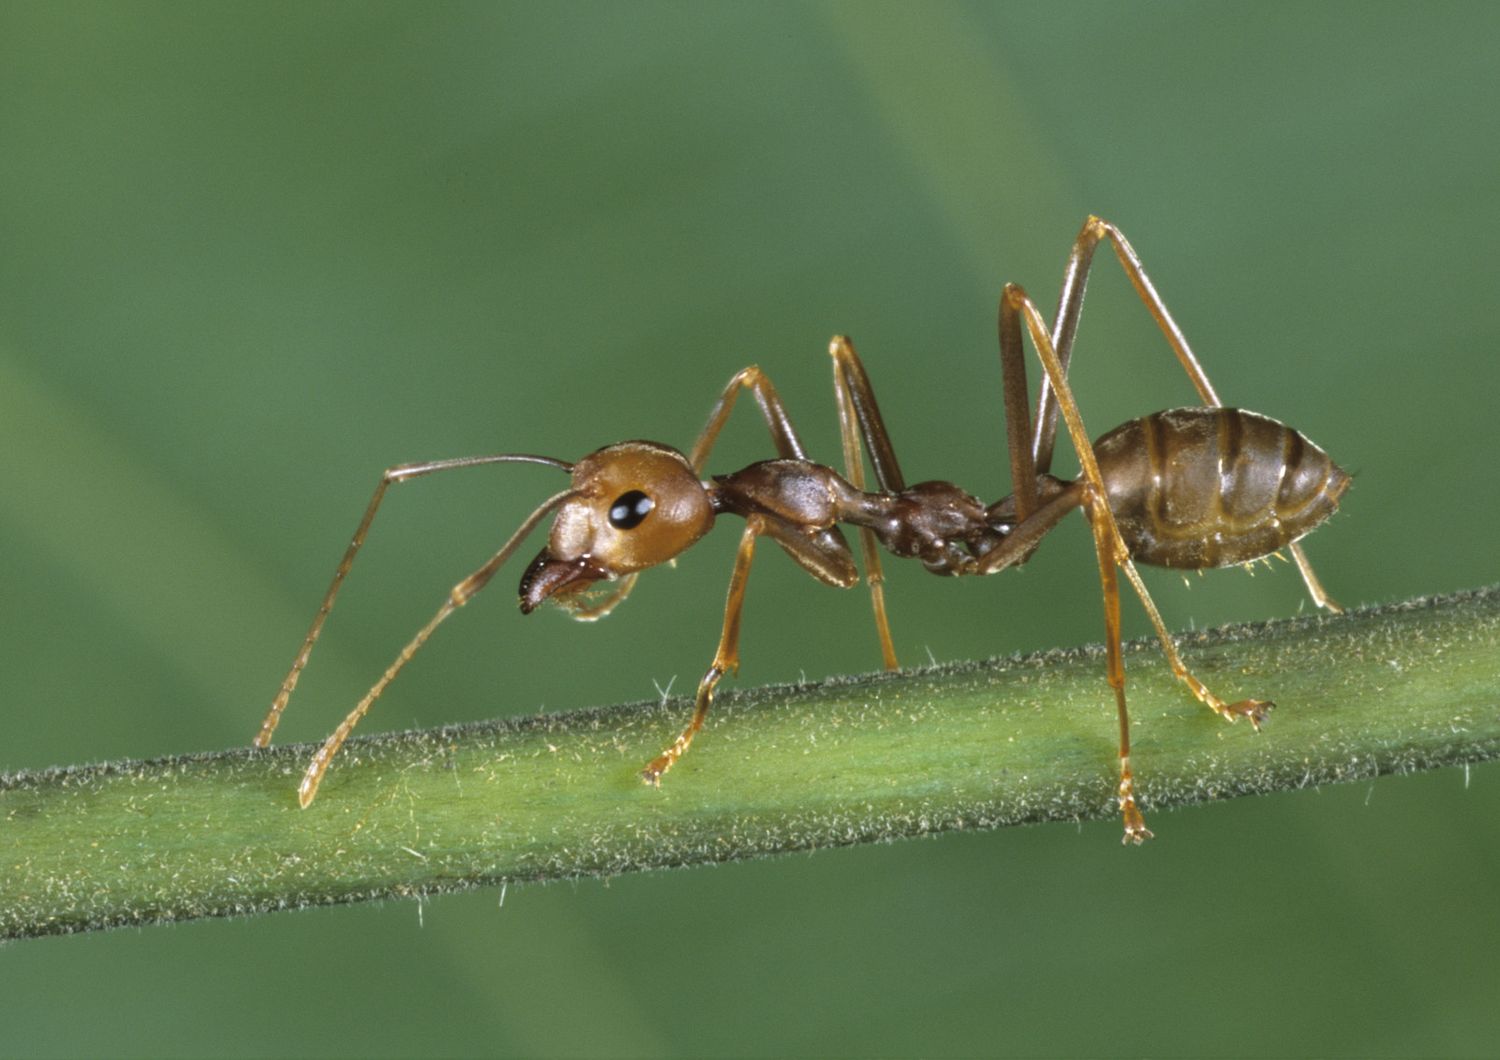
(783, 436)
(726, 659)
(400, 473)
(580, 612)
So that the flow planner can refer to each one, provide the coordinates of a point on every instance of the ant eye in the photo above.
(629, 510)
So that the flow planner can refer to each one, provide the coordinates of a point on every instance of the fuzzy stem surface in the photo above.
(1392, 689)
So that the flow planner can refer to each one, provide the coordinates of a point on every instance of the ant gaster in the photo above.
(1188, 488)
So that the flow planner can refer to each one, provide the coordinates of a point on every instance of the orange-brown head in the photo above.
(634, 505)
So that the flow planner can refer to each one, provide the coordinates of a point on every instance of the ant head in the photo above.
(633, 505)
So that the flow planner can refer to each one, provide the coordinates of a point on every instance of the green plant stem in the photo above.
(1391, 689)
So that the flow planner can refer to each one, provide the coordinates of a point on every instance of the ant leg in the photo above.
(459, 595)
(1135, 826)
(1023, 459)
(1028, 533)
(1254, 709)
(1108, 545)
(726, 659)
(859, 418)
(1065, 328)
(1315, 588)
(1014, 303)
(606, 604)
(1108, 542)
(1131, 262)
(783, 436)
(400, 473)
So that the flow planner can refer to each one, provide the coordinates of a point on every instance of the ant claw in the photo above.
(652, 773)
(1254, 709)
(1135, 827)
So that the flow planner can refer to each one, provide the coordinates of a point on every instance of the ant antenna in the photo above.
(457, 597)
(399, 473)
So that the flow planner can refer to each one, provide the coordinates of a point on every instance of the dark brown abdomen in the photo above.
(1210, 487)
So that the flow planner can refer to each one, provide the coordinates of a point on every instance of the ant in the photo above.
(1187, 488)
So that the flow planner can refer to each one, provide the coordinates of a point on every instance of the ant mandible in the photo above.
(1187, 488)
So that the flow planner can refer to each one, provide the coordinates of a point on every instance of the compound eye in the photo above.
(629, 510)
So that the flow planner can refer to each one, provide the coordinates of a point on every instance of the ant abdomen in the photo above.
(1211, 487)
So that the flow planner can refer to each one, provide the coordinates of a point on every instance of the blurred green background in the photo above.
(252, 255)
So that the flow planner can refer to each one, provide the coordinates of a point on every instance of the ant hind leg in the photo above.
(1065, 328)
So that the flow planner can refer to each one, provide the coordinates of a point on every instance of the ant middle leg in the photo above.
(860, 419)
(783, 434)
